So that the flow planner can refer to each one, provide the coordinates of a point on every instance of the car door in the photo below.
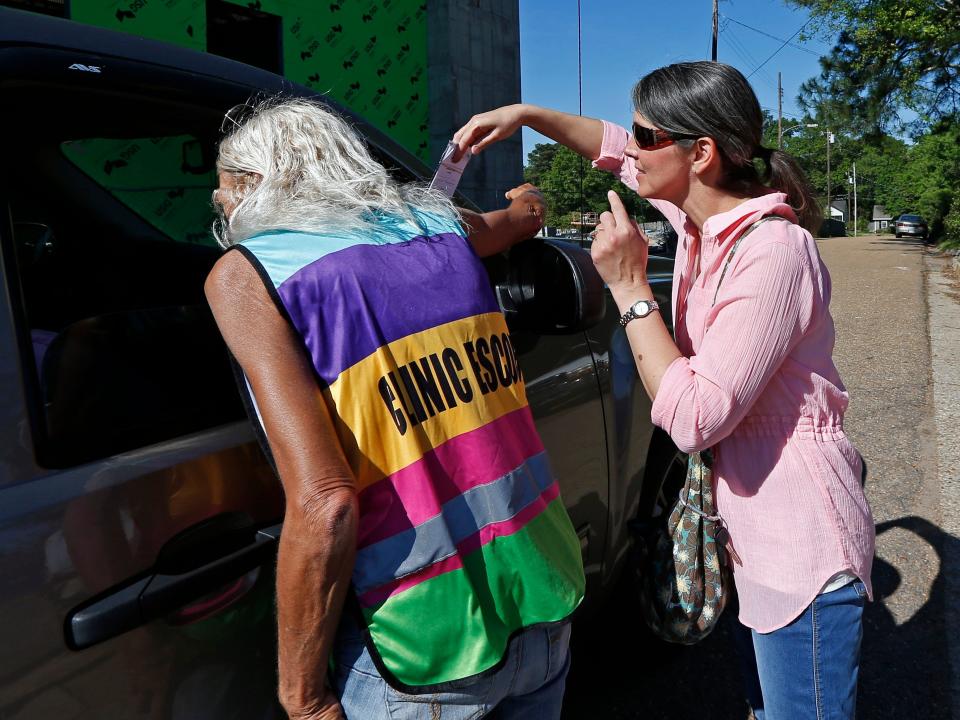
(537, 283)
(127, 464)
(564, 396)
(626, 408)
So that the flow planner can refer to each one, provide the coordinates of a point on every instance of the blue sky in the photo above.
(623, 40)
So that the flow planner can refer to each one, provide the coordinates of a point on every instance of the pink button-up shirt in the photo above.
(757, 384)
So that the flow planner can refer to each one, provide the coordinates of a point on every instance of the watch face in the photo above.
(641, 307)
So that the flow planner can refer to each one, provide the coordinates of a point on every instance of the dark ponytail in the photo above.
(715, 100)
(784, 173)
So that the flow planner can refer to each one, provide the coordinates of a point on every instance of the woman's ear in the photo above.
(705, 156)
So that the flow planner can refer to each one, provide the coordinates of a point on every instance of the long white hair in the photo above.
(300, 166)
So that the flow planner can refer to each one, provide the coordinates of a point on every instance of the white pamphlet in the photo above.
(448, 173)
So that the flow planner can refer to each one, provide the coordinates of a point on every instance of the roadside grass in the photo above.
(952, 247)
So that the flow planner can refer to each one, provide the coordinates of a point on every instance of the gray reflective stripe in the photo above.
(435, 539)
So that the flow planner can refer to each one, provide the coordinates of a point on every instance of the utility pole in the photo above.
(779, 113)
(847, 210)
(716, 17)
(829, 212)
(854, 199)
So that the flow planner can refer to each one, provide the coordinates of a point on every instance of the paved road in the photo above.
(880, 305)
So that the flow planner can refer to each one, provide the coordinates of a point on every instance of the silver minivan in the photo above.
(138, 515)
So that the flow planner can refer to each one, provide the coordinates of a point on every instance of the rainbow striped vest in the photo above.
(463, 537)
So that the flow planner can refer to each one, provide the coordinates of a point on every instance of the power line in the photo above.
(774, 37)
(792, 116)
(736, 45)
(785, 43)
(741, 50)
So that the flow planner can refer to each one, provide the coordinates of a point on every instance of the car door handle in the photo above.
(194, 563)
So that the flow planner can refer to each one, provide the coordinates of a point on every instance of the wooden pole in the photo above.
(854, 199)
(779, 113)
(716, 16)
(829, 211)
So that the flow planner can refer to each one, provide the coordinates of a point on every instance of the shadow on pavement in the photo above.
(620, 671)
(905, 669)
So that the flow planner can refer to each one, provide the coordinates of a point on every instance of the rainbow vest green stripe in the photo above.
(463, 539)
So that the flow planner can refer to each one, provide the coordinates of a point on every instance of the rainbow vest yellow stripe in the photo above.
(463, 537)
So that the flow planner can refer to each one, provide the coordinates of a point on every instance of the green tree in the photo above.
(880, 175)
(539, 161)
(809, 147)
(951, 226)
(920, 177)
(572, 186)
(890, 54)
(934, 172)
(923, 177)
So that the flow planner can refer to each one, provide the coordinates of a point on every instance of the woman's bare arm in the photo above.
(493, 232)
(581, 134)
(318, 544)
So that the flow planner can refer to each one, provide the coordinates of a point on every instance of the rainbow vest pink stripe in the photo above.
(463, 537)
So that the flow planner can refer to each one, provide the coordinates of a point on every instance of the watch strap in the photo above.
(631, 314)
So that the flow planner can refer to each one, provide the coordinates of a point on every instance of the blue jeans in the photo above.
(808, 669)
(529, 686)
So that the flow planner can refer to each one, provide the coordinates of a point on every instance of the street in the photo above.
(895, 308)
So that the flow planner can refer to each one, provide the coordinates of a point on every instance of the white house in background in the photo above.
(838, 210)
(880, 220)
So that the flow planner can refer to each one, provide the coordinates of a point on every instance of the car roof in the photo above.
(22, 31)
(25, 28)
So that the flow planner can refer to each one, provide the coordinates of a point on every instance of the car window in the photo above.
(910, 218)
(165, 180)
(110, 247)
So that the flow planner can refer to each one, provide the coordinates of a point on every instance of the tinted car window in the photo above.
(110, 246)
(911, 218)
(166, 180)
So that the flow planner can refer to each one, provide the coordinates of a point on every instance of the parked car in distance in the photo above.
(831, 227)
(138, 516)
(912, 225)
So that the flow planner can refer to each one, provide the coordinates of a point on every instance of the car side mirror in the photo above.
(551, 287)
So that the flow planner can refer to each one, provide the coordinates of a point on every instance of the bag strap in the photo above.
(707, 455)
(733, 250)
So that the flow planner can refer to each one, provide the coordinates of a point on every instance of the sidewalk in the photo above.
(943, 297)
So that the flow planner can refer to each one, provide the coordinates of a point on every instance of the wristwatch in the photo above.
(641, 308)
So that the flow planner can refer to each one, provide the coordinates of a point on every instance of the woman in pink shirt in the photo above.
(750, 374)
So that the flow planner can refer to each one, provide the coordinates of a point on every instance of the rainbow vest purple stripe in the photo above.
(463, 538)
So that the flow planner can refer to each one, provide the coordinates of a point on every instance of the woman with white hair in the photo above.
(423, 526)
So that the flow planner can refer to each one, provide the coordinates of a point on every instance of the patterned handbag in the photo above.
(688, 579)
(687, 583)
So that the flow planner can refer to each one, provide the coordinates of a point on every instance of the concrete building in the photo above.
(473, 66)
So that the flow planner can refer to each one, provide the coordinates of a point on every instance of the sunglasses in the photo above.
(654, 138)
